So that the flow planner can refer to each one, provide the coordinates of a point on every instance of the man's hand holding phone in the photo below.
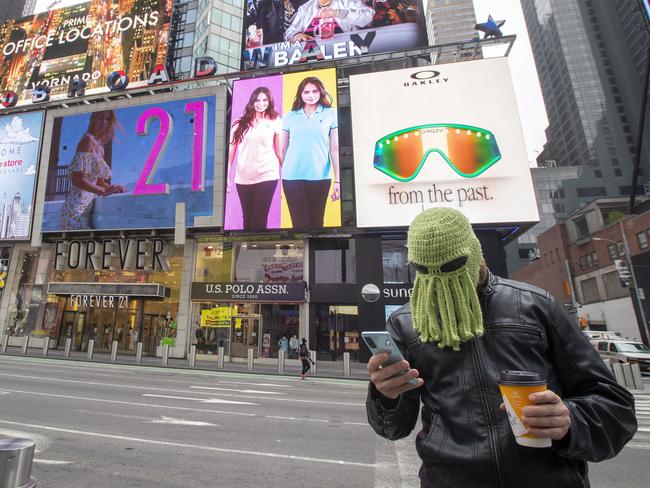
(394, 379)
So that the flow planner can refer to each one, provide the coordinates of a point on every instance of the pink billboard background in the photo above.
(241, 93)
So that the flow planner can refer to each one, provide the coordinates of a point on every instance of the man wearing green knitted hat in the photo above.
(462, 332)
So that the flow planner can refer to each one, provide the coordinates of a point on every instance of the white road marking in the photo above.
(52, 462)
(173, 421)
(273, 385)
(296, 418)
(118, 402)
(167, 390)
(238, 391)
(202, 400)
(4, 392)
(192, 446)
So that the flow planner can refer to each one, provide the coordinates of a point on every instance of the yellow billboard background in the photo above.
(290, 84)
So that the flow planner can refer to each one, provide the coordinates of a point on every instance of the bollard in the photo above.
(16, 456)
(627, 374)
(618, 373)
(314, 364)
(281, 361)
(165, 355)
(346, 364)
(25, 345)
(220, 358)
(636, 376)
(138, 353)
(250, 361)
(192, 356)
(68, 346)
(5, 343)
(114, 351)
(91, 349)
(46, 346)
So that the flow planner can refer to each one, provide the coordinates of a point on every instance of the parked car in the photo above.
(626, 351)
(595, 336)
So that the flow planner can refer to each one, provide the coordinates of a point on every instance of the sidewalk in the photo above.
(325, 369)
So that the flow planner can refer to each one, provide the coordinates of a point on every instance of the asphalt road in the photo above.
(106, 426)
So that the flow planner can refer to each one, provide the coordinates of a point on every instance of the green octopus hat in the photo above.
(447, 255)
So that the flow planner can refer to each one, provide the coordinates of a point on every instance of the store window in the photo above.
(336, 331)
(213, 261)
(269, 261)
(335, 261)
(395, 262)
(23, 311)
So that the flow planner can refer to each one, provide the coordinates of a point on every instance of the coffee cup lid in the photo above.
(510, 377)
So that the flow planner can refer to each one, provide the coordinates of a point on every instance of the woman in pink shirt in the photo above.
(256, 156)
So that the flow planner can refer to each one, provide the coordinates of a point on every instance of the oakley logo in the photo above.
(425, 77)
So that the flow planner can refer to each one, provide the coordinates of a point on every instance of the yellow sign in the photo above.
(237, 323)
(216, 317)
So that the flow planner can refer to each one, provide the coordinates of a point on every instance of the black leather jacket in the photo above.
(466, 441)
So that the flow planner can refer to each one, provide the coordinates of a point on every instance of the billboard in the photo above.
(453, 139)
(303, 31)
(89, 40)
(20, 146)
(283, 162)
(128, 168)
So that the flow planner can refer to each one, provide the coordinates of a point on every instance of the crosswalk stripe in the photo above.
(641, 439)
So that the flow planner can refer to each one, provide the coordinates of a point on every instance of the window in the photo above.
(335, 261)
(395, 261)
(525, 252)
(612, 250)
(612, 347)
(269, 261)
(590, 292)
(583, 262)
(598, 191)
(582, 230)
(613, 287)
(642, 239)
(602, 346)
(336, 331)
(618, 172)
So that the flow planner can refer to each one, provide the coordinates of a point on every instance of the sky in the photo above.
(522, 66)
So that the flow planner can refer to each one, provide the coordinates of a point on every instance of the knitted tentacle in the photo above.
(447, 313)
(476, 316)
(462, 308)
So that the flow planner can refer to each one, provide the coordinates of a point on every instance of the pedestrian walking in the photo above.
(303, 354)
(464, 332)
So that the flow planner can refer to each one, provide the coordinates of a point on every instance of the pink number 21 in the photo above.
(144, 185)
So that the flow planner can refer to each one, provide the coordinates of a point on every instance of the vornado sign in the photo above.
(111, 254)
(74, 50)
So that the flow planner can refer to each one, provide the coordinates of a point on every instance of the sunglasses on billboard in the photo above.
(468, 150)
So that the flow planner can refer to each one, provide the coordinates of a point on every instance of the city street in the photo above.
(113, 425)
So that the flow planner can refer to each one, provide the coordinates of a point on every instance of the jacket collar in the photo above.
(487, 288)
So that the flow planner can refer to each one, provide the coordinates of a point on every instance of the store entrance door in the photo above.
(152, 326)
(245, 333)
(73, 327)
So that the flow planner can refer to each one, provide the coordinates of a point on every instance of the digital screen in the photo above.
(283, 166)
(306, 31)
(57, 40)
(453, 140)
(20, 146)
(128, 168)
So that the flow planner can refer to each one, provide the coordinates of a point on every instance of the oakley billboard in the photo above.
(47, 51)
(295, 32)
(453, 140)
(129, 168)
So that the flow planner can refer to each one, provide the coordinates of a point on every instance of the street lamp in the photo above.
(626, 251)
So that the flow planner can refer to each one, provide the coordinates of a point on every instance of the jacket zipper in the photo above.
(493, 440)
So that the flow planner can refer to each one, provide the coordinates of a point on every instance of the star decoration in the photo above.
(491, 28)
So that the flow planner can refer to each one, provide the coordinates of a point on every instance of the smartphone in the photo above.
(381, 341)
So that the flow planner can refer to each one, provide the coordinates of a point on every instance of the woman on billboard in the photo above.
(89, 174)
(256, 156)
(311, 140)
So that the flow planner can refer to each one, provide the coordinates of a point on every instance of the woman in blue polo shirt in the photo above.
(311, 143)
